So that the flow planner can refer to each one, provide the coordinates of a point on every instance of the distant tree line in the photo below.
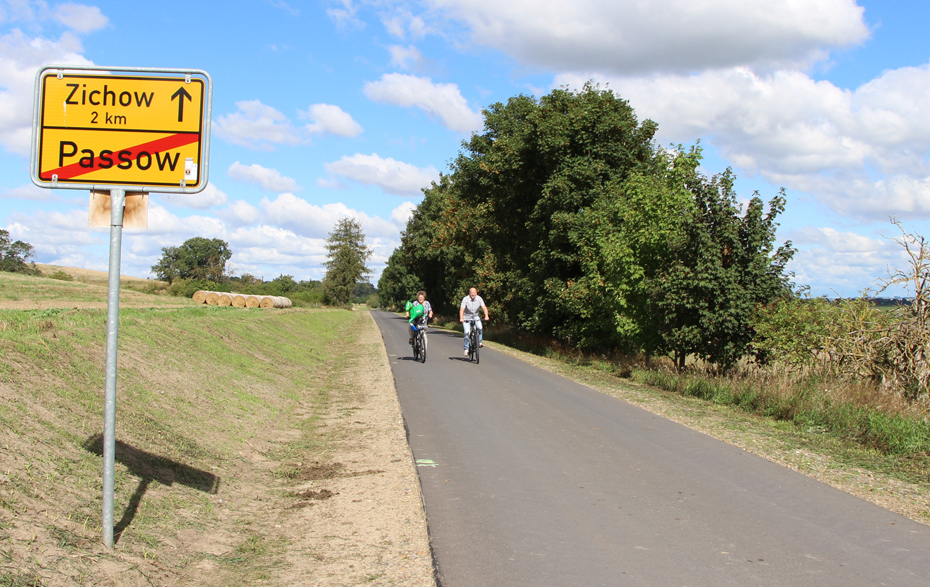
(575, 225)
(200, 264)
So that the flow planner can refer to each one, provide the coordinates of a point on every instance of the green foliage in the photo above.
(282, 285)
(362, 291)
(345, 264)
(61, 276)
(197, 258)
(574, 225)
(723, 266)
(795, 332)
(14, 255)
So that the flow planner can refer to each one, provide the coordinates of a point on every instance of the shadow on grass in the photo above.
(148, 468)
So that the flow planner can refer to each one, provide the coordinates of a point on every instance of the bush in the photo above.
(795, 332)
(307, 298)
(61, 276)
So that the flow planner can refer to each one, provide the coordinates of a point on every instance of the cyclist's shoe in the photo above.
(466, 353)
(411, 340)
(480, 345)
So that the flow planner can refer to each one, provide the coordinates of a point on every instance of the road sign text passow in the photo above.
(120, 130)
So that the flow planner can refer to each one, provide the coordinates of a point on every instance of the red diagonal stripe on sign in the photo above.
(152, 147)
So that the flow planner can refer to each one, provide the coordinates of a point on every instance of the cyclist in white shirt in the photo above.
(470, 309)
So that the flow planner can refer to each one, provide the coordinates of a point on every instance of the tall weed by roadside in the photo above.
(834, 406)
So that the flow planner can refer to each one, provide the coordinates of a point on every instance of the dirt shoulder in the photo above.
(362, 500)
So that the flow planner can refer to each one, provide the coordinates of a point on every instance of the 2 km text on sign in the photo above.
(130, 131)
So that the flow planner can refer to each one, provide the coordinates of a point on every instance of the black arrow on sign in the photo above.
(181, 94)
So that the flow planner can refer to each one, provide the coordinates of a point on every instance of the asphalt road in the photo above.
(530, 479)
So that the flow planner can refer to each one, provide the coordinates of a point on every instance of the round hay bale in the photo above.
(252, 302)
(212, 297)
(275, 302)
(238, 300)
(224, 300)
(200, 297)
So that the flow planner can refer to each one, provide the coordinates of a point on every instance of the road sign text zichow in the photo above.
(133, 128)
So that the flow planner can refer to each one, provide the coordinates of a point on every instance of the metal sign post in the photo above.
(117, 201)
(126, 128)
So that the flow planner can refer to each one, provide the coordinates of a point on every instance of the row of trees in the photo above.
(200, 263)
(575, 225)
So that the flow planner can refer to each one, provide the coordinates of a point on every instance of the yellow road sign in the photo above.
(139, 129)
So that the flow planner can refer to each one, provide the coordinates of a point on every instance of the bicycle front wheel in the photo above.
(422, 347)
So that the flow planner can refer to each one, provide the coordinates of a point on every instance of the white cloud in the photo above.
(631, 36)
(861, 152)
(442, 101)
(310, 220)
(344, 14)
(402, 24)
(392, 176)
(240, 213)
(401, 214)
(83, 19)
(56, 235)
(274, 246)
(269, 179)
(174, 230)
(833, 262)
(20, 58)
(408, 57)
(329, 119)
(256, 126)
(211, 196)
(30, 192)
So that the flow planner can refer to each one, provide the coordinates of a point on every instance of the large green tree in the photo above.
(15, 255)
(346, 258)
(197, 258)
(573, 224)
(715, 275)
(522, 213)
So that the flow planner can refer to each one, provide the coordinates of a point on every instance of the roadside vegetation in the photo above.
(198, 388)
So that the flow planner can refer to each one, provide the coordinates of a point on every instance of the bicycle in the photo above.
(419, 342)
(473, 344)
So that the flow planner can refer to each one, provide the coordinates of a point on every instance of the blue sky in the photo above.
(349, 108)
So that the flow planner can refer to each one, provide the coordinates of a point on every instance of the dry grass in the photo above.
(88, 290)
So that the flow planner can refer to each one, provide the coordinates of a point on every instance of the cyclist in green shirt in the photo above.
(418, 316)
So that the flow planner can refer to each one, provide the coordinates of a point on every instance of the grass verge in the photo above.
(208, 399)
